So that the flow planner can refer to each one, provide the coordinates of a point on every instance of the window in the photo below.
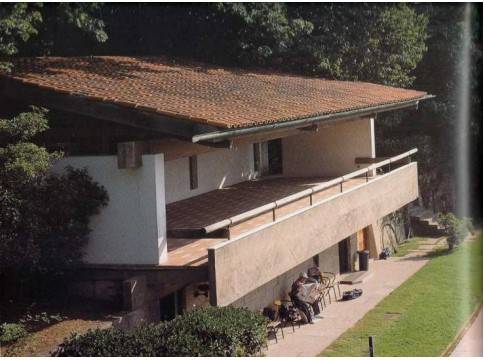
(268, 157)
(193, 169)
(274, 149)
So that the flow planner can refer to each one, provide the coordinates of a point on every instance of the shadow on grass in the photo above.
(440, 252)
(429, 255)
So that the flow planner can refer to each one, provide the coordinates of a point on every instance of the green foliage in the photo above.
(26, 125)
(372, 42)
(44, 217)
(456, 229)
(37, 320)
(10, 332)
(20, 22)
(210, 331)
(81, 16)
(24, 160)
(433, 129)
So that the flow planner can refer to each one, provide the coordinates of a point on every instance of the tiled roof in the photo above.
(227, 98)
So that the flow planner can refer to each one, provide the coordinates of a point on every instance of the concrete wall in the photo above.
(132, 228)
(331, 151)
(277, 288)
(241, 265)
(329, 259)
(386, 232)
(215, 169)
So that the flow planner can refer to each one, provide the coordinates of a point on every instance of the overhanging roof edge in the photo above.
(227, 134)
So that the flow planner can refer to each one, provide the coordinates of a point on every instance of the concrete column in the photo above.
(374, 239)
(140, 303)
(131, 229)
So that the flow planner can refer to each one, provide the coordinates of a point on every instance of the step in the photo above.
(356, 277)
(419, 212)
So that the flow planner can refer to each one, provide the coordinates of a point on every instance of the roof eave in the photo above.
(226, 134)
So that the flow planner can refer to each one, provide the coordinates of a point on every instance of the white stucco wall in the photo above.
(132, 228)
(216, 169)
(331, 151)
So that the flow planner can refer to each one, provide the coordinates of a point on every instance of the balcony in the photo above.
(252, 232)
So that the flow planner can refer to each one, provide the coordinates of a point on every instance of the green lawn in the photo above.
(407, 246)
(422, 316)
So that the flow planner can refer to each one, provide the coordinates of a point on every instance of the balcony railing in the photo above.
(260, 254)
(366, 172)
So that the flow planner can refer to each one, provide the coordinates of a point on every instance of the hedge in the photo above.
(210, 331)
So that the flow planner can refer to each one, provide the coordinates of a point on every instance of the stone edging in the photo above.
(451, 347)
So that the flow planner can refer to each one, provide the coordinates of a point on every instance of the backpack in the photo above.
(386, 253)
(269, 313)
(287, 312)
(352, 294)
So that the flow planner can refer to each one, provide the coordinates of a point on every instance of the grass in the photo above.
(408, 246)
(41, 343)
(49, 321)
(424, 315)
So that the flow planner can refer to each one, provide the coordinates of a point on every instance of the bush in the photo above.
(44, 216)
(10, 332)
(203, 332)
(455, 229)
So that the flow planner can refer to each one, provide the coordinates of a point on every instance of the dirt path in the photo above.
(46, 340)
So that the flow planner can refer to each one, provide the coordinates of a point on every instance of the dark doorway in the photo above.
(344, 256)
(275, 156)
(171, 306)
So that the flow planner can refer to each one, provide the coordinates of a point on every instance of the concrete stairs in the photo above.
(424, 222)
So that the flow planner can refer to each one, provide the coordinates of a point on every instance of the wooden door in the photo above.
(362, 239)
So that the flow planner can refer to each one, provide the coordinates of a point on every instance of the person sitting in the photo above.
(300, 301)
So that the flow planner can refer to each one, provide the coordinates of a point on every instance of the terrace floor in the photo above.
(195, 213)
(189, 252)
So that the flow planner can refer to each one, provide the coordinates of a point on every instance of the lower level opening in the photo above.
(171, 305)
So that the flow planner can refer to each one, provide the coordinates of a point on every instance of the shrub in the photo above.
(455, 229)
(44, 217)
(10, 332)
(203, 332)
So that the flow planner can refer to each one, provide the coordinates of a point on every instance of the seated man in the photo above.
(298, 294)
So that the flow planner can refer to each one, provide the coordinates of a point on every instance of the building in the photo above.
(223, 183)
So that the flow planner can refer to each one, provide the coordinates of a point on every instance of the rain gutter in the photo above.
(221, 135)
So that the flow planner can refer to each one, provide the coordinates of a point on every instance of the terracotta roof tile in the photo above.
(205, 94)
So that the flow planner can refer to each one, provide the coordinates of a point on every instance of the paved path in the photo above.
(471, 343)
(384, 277)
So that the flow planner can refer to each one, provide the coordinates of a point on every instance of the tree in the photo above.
(433, 128)
(53, 26)
(44, 217)
(365, 42)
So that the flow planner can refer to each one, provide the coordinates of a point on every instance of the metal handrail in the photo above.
(305, 193)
